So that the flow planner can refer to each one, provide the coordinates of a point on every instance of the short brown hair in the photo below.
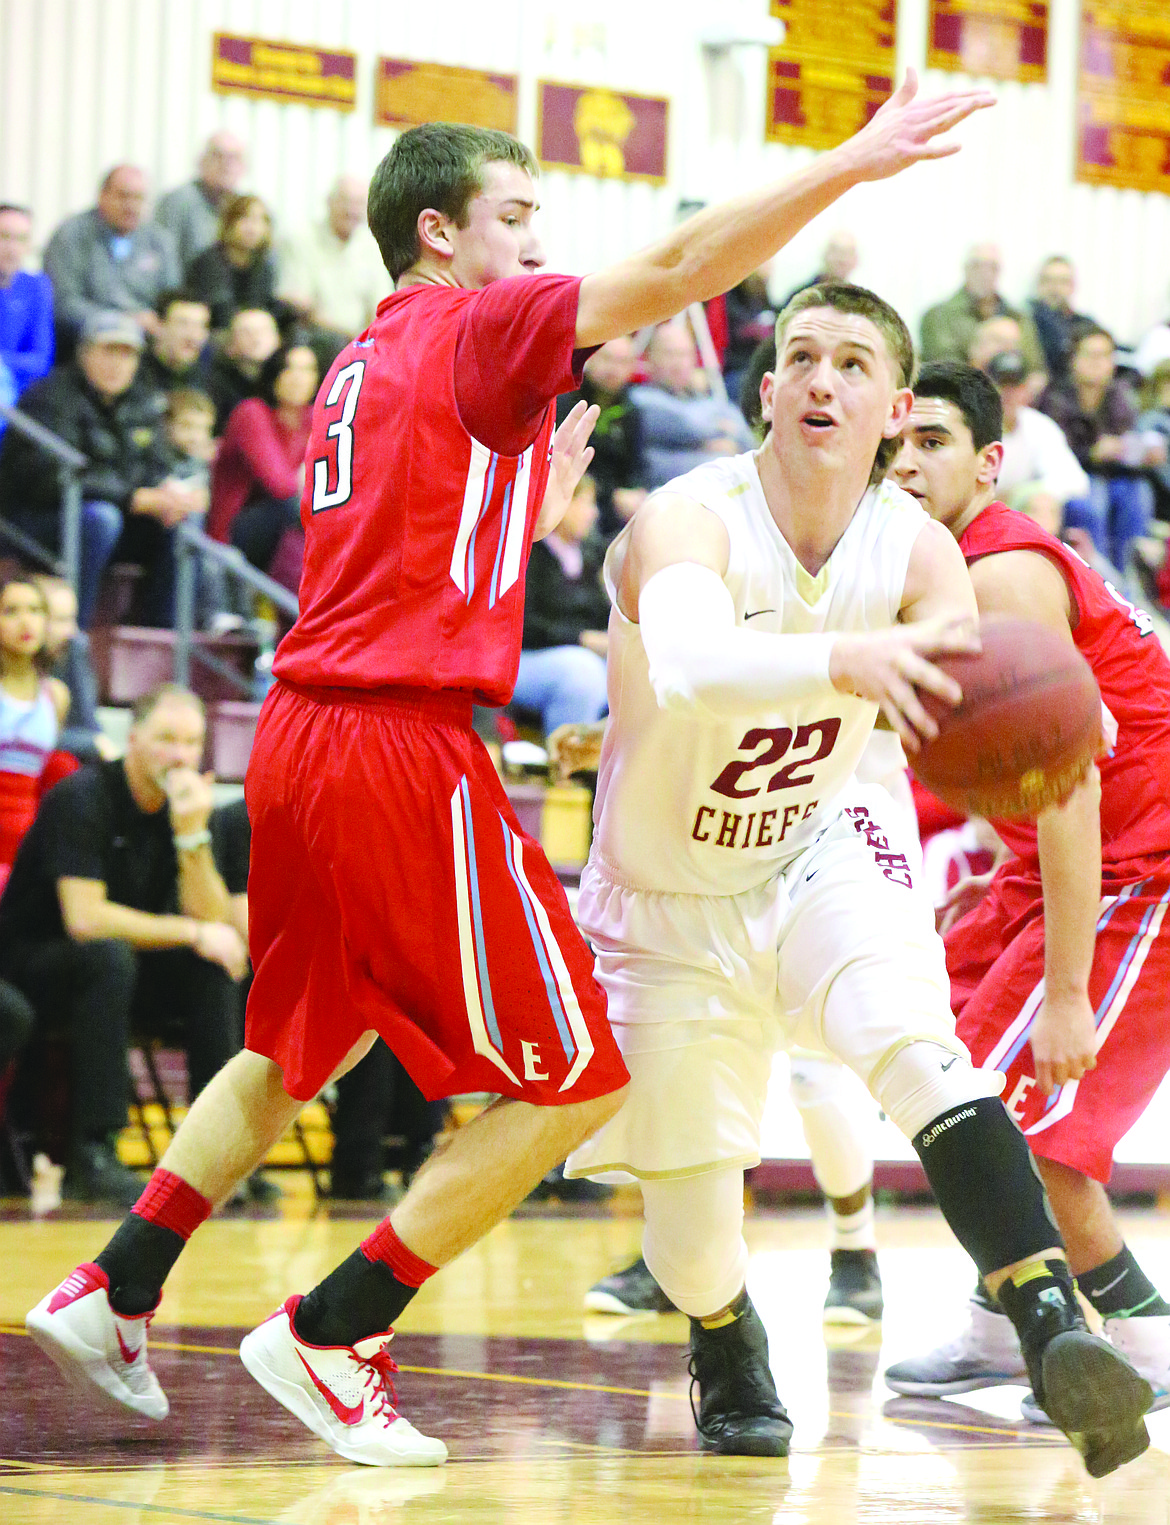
(439, 165)
(188, 400)
(860, 302)
(146, 704)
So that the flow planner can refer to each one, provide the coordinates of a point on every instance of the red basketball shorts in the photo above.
(995, 957)
(391, 887)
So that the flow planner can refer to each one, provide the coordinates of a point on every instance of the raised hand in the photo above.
(906, 128)
(571, 455)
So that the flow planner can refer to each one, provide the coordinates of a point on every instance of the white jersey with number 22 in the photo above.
(691, 804)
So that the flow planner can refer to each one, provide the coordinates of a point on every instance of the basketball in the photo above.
(1028, 725)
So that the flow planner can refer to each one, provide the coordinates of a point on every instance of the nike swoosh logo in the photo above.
(947, 1065)
(346, 1415)
(754, 612)
(128, 1355)
(1116, 1282)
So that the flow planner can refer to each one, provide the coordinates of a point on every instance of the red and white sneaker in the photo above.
(91, 1344)
(345, 1394)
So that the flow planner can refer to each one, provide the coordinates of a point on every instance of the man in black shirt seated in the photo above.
(116, 918)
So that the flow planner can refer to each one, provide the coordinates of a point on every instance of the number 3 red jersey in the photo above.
(1133, 674)
(424, 475)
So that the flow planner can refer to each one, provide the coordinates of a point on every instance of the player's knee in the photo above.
(924, 1080)
(814, 1082)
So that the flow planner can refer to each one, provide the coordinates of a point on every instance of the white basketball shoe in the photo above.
(94, 1346)
(986, 1354)
(1145, 1344)
(345, 1394)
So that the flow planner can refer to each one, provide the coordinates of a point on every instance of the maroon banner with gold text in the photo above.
(597, 131)
(833, 70)
(997, 39)
(1123, 94)
(408, 93)
(283, 71)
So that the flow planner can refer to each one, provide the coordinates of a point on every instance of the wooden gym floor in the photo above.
(552, 1416)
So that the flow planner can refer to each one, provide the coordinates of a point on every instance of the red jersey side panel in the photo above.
(423, 483)
(1133, 674)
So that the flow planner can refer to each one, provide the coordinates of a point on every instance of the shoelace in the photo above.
(382, 1368)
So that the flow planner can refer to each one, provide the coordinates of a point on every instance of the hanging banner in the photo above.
(596, 131)
(996, 39)
(283, 71)
(1123, 95)
(408, 93)
(833, 70)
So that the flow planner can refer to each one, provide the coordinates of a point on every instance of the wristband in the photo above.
(192, 839)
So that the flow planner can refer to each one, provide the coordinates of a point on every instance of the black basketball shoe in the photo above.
(738, 1412)
(855, 1288)
(633, 1290)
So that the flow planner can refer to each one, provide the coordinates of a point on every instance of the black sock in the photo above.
(361, 1297)
(1121, 1289)
(1040, 1299)
(137, 1260)
(981, 1172)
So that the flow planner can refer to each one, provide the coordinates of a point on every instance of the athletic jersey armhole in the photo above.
(1056, 561)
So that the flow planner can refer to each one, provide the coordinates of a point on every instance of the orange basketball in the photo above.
(1029, 723)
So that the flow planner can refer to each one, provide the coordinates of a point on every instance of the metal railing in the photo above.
(70, 464)
(191, 547)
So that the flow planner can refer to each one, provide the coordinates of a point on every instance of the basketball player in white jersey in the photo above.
(745, 893)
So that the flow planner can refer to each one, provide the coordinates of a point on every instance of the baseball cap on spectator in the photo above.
(1008, 368)
(112, 328)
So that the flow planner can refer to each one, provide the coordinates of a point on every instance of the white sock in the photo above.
(852, 1231)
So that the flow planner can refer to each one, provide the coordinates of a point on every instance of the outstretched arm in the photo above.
(714, 250)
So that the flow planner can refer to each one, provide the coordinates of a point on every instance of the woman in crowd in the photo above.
(32, 710)
(259, 471)
(238, 271)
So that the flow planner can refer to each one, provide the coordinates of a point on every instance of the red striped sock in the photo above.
(171, 1203)
(384, 1246)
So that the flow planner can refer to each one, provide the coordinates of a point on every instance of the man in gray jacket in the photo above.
(190, 213)
(108, 259)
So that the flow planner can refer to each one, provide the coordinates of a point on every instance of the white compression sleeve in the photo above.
(700, 660)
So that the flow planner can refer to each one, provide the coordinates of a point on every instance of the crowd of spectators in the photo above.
(178, 349)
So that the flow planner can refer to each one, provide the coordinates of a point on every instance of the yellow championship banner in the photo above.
(408, 93)
(833, 70)
(996, 39)
(1123, 95)
(283, 71)
(597, 131)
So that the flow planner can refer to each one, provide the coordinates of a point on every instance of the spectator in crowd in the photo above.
(234, 373)
(1098, 414)
(259, 469)
(128, 506)
(26, 303)
(1053, 316)
(566, 613)
(33, 707)
(949, 327)
(110, 259)
(681, 427)
(116, 920)
(190, 213)
(239, 269)
(332, 273)
(190, 445)
(750, 318)
(67, 653)
(838, 262)
(617, 435)
(1153, 349)
(994, 336)
(176, 353)
(1155, 419)
(1039, 474)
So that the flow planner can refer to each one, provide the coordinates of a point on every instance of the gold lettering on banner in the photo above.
(833, 70)
(1123, 94)
(409, 93)
(283, 71)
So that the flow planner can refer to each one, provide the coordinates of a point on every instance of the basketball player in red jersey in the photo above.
(392, 890)
(1059, 975)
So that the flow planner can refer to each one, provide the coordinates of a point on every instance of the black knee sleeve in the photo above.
(981, 1172)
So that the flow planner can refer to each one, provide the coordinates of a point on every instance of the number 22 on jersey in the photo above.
(348, 384)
